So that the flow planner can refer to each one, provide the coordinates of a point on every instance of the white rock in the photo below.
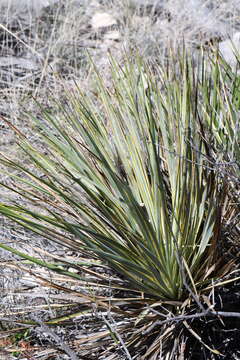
(112, 35)
(230, 49)
(101, 20)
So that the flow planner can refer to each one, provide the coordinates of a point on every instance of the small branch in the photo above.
(207, 313)
(226, 313)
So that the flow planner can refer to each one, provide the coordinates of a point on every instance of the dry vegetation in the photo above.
(40, 50)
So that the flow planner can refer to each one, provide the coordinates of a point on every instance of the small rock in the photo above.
(101, 20)
(230, 49)
(73, 270)
(112, 35)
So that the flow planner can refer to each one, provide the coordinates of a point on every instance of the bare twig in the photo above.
(180, 318)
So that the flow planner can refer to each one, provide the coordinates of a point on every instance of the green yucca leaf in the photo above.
(127, 174)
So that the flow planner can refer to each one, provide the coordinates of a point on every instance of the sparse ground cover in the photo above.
(42, 55)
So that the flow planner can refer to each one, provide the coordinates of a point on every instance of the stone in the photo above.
(102, 20)
(230, 50)
(112, 35)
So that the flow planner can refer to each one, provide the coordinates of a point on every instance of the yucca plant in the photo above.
(131, 176)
